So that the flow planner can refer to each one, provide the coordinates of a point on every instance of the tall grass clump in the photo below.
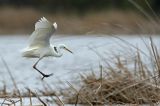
(120, 82)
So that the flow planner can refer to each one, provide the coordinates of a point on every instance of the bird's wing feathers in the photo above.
(39, 38)
(42, 23)
(43, 31)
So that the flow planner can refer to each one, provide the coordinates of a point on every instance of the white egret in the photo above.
(39, 44)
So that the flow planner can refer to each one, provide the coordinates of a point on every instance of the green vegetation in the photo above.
(79, 5)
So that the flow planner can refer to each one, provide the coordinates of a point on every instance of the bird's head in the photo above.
(63, 46)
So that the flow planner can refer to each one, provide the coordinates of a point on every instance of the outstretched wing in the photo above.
(41, 36)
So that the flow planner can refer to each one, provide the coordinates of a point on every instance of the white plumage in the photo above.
(39, 43)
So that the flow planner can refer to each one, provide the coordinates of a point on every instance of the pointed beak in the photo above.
(68, 50)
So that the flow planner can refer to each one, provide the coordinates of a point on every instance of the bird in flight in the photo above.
(39, 44)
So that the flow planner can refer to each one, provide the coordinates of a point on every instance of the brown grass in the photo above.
(115, 83)
(15, 20)
(119, 83)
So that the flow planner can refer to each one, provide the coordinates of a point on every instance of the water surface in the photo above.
(67, 67)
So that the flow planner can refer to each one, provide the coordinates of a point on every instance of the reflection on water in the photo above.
(85, 57)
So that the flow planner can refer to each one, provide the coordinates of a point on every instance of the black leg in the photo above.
(44, 75)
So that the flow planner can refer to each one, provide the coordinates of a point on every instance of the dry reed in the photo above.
(118, 83)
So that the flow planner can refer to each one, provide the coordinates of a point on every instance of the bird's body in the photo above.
(39, 43)
(42, 52)
(38, 52)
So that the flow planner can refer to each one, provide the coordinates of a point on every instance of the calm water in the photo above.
(67, 67)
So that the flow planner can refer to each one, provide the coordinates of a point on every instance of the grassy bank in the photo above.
(21, 21)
